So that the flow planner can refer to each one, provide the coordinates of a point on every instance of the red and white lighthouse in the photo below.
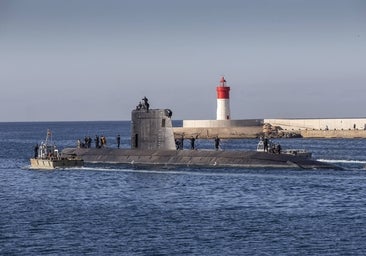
(223, 100)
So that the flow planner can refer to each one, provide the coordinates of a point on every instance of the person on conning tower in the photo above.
(146, 103)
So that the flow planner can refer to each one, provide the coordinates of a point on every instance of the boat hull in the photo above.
(204, 158)
(49, 164)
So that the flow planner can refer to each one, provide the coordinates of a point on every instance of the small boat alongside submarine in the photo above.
(153, 144)
(48, 157)
(265, 145)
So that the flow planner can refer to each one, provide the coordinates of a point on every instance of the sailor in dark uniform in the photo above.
(96, 140)
(192, 142)
(265, 145)
(118, 140)
(217, 143)
(146, 103)
(36, 147)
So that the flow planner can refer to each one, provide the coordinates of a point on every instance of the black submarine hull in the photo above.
(195, 158)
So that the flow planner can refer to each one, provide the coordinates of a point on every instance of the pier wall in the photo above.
(319, 124)
(346, 134)
(221, 123)
(221, 132)
(253, 128)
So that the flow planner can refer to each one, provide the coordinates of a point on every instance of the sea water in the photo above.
(114, 210)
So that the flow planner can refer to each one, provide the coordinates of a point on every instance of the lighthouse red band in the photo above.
(223, 100)
(222, 90)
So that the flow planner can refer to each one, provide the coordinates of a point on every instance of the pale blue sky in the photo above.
(95, 60)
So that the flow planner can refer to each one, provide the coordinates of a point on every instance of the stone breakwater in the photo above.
(221, 132)
(252, 132)
(347, 134)
(273, 128)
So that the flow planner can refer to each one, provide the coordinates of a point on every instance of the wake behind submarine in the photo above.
(153, 145)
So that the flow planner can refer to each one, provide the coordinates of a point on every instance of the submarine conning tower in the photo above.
(152, 129)
(223, 101)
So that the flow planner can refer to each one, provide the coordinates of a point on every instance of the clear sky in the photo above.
(95, 60)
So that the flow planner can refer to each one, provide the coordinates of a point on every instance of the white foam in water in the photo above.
(104, 169)
(342, 161)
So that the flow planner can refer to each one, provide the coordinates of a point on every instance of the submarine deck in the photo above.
(202, 158)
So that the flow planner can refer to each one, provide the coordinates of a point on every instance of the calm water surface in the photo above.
(110, 210)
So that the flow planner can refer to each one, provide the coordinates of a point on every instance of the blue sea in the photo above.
(114, 210)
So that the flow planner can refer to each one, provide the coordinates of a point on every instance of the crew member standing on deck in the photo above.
(265, 145)
(146, 103)
(118, 140)
(217, 143)
(103, 141)
(192, 142)
(96, 140)
(182, 142)
(36, 147)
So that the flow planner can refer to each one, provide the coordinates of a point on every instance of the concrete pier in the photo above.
(345, 134)
(282, 128)
(225, 129)
(222, 132)
(321, 128)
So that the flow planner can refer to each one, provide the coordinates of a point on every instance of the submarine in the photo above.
(153, 145)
